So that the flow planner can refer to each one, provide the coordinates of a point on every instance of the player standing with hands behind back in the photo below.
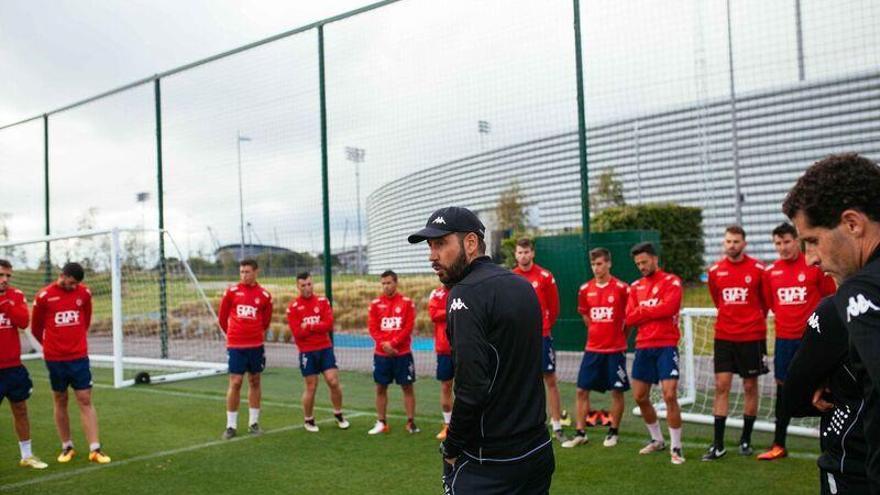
(245, 314)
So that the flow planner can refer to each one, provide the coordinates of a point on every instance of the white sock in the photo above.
(232, 419)
(675, 435)
(94, 446)
(656, 434)
(67, 444)
(253, 416)
(557, 424)
(447, 417)
(25, 448)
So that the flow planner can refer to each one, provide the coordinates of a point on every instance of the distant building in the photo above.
(234, 251)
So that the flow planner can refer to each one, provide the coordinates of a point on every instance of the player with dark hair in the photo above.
(548, 295)
(497, 441)
(792, 289)
(15, 382)
(310, 319)
(391, 319)
(740, 344)
(602, 303)
(245, 314)
(653, 306)
(60, 321)
(445, 367)
(835, 206)
(822, 362)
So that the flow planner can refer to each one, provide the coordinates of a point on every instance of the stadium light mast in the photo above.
(483, 127)
(356, 155)
(238, 142)
(734, 144)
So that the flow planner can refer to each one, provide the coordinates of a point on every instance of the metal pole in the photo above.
(116, 308)
(160, 195)
(357, 173)
(47, 230)
(800, 40)
(638, 162)
(325, 189)
(582, 126)
(240, 197)
(734, 145)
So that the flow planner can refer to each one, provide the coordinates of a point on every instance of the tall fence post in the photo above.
(582, 127)
(163, 287)
(46, 227)
(325, 188)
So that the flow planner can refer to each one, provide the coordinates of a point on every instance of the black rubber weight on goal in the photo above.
(142, 378)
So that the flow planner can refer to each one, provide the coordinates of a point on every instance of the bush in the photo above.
(681, 235)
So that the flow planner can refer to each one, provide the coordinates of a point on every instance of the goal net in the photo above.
(697, 383)
(151, 321)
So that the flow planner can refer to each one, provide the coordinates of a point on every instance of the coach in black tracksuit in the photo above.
(822, 361)
(497, 440)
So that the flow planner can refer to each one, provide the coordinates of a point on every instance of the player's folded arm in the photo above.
(820, 353)
(669, 305)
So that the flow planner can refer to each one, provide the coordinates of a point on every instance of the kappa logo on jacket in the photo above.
(813, 321)
(859, 305)
(457, 305)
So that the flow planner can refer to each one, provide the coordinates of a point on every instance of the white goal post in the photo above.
(151, 321)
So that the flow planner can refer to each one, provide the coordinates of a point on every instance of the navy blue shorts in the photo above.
(602, 372)
(76, 374)
(548, 356)
(15, 383)
(655, 365)
(252, 360)
(317, 362)
(782, 356)
(398, 369)
(445, 367)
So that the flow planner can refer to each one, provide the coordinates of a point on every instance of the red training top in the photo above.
(245, 314)
(792, 289)
(605, 307)
(653, 306)
(437, 310)
(13, 315)
(545, 286)
(391, 319)
(736, 290)
(311, 321)
(61, 320)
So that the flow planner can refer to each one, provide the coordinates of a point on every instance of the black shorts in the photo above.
(834, 483)
(747, 359)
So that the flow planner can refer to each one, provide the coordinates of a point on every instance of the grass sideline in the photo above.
(165, 439)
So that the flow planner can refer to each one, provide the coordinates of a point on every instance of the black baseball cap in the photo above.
(448, 220)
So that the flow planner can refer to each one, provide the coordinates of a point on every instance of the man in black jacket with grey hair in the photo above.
(497, 440)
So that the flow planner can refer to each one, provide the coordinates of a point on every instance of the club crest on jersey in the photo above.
(256, 300)
(398, 310)
(748, 279)
(67, 318)
(735, 295)
(801, 277)
(611, 299)
(79, 302)
(316, 309)
(859, 305)
(791, 295)
(245, 311)
(457, 305)
(390, 323)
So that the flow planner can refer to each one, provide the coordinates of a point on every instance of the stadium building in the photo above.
(684, 155)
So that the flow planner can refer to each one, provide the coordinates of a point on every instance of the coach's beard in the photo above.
(452, 274)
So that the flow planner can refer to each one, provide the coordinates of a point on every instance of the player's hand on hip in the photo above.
(819, 401)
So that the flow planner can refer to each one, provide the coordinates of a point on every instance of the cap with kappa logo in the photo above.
(447, 220)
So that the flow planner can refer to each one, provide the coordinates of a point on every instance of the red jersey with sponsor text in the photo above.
(737, 291)
(13, 315)
(311, 321)
(548, 295)
(653, 306)
(61, 320)
(792, 290)
(391, 319)
(245, 314)
(605, 307)
(437, 310)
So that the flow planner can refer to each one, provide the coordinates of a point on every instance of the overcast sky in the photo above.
(407, 83)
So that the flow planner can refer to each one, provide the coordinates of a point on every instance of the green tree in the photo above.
(608, 193)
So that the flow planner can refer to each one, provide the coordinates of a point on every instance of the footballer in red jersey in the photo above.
(245, 314)
(60, 321)
(792, 290)
(445, 369)
(602, 303)
(310, 318)
(653, 306)
(548, 296)
(15, 383)
(391, 319)
(735, 284)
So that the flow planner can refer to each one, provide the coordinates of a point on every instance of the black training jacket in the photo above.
(823, 360)
(494, 326)
(858, 304)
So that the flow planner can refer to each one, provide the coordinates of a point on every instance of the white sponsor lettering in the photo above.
(66, 318)
(650, 303)
(602, 313)
(859, 305)
(791, 295)
(391, 323)
(735, 295)
(245, 311)
(457, 304)
(4, 321)
(312, 320)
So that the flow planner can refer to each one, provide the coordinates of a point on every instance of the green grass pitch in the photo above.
(166, 439)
